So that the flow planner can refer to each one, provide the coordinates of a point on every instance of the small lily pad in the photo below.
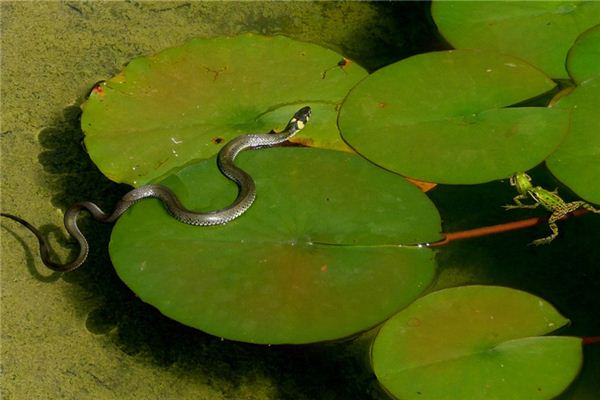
(183, 103)
(316, 257)
(476, 342)
(539, 32)
(576, 163)
(440, 117)
(583, 61)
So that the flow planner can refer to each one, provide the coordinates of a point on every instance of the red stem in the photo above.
(490, 230)
(590, 339)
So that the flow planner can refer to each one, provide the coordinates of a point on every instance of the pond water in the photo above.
(86, 335)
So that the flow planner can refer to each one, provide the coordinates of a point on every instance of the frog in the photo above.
(550, 200)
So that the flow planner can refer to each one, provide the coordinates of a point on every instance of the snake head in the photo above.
(300, 118)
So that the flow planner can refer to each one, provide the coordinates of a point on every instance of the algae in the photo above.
(84, 334)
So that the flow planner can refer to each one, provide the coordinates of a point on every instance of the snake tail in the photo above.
(225, 162)
(72, 228)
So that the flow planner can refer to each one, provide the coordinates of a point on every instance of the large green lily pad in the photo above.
(476, 342)
(439, 117)
(577, 161)
(183, 103)
(315, 258)
(540, 32)
(583, 61)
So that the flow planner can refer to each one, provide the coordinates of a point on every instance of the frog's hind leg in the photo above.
(560, 214)
(553, 227)
(588, 207)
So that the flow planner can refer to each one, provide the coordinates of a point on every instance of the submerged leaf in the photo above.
(485, 333)
(183, 103)
(439, 117)
(539, 32)
(315, 258)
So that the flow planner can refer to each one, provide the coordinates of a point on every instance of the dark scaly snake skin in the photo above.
(225, 161)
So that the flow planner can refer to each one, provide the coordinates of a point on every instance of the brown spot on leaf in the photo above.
(215, 72)
(343, 62)
(217, 140)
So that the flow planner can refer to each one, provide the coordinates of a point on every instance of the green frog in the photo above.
(551, 201)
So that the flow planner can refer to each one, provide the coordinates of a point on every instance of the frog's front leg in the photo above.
(517, 200)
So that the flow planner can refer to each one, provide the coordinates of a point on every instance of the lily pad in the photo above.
(583, 61)
(183, 103)
(539, 32)
(476, 342)
(315, 258)
(439, 117)
(577, 161)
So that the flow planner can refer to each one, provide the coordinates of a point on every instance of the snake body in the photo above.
(225, 162)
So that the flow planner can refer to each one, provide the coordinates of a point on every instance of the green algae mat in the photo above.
(118, 346)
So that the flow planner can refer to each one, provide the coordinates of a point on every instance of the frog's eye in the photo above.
(528, 177)
(512, 181)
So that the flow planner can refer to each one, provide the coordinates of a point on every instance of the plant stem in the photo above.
(490, 230)
(590, 339)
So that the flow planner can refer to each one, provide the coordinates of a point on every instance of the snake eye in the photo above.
(303, 114)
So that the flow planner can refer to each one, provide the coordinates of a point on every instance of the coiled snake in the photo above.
(225, 161)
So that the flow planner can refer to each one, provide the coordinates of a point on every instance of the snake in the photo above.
(225, 162)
